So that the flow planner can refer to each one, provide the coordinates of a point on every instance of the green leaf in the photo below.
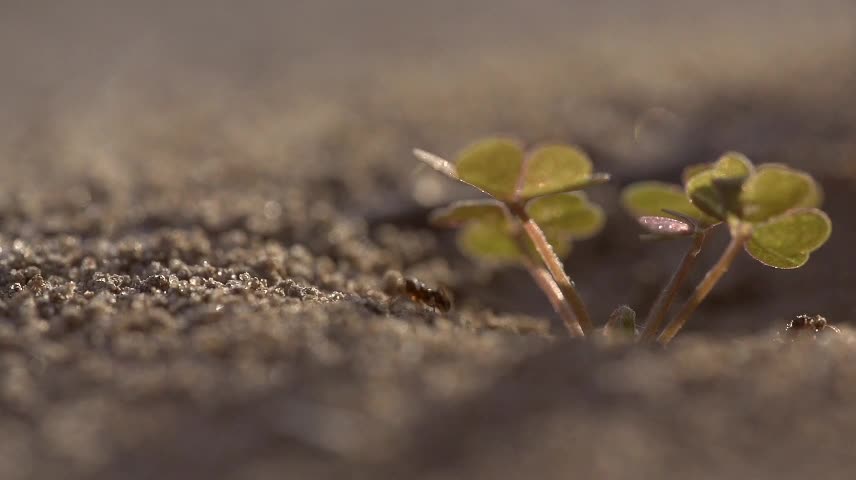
(693, 170)
(715, 191)
(787, 241)
(489, 241)
(775, 189)
(570, 213)
(494, 243)
(492, 165)
(465, 211)
(557, 168)
(652, 198)
(704, 195)
(733, 165)
(730, 190)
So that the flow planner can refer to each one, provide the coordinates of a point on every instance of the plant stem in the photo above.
(738, 238)
(548, 285)
(657, 314)
(554, 265)
(545, 281)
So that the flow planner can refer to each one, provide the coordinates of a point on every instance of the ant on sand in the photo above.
(439, 299)
(810, 326)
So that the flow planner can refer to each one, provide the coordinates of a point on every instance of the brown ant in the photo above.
(437, 299)
(808, 326)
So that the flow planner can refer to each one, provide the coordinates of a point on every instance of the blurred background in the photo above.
(248, 127)
(641, 84)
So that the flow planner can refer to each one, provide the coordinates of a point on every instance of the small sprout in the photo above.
(621, 326)
(534, 214)
(771, 212)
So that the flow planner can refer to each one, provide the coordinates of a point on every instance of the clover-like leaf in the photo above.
(658, 199)
(557, 168)
(496, 166)
(715, 191)
(495, 242)
(492, 165)
(567, 214)
(787, 241)
(733, 165)
(691, 171)
(489, 241)
(704, 195)
(465, 211)
(487, 232)
(775, 189)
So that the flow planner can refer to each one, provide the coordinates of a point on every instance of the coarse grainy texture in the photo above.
(199, 203)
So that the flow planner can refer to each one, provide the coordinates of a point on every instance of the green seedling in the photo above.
(535, 211)
(771, 212)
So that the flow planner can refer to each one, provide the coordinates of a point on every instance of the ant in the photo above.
(808, 325)
(398, 285)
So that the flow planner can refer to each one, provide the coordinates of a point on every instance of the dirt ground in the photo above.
(199, 200)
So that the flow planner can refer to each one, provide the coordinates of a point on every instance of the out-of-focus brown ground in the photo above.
(198, 202)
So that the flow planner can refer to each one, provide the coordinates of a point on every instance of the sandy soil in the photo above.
(198, 203)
